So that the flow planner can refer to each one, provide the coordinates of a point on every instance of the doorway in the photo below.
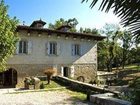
(66, 72)
(8, 78)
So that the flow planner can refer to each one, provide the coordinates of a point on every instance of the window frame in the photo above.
(23, 47)
(53, 48)
(76, 49)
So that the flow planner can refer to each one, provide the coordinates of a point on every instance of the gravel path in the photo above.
(40, 98)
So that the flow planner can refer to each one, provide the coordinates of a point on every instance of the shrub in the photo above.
(42, 86)
(136, 93)
(50, 72)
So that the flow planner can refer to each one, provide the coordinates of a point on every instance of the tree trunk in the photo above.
(123, 63)
(124, 59)
(109, 67)
(49, 79)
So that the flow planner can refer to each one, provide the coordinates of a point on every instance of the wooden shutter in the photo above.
(58, 48)
(17, 48)
(29, 47)
(81, 49)
(47, 45)
(72, 49)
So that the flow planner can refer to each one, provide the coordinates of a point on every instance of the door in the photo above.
(8, 78)
(66, 72)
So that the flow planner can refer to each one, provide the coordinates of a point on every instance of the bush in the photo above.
(42, 86)
(50, 72)
(135, 83)
(136, 93)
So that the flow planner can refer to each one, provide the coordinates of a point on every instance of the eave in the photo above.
(49, 31)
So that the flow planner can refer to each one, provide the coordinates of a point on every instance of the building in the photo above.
(73, 54)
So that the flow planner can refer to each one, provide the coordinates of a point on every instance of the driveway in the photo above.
(40, 98)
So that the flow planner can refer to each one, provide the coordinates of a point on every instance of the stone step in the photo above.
(107, 99)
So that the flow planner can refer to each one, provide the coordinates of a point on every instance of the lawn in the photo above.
(128, 74)
(51, 85)
(132, 67)
(74, 94)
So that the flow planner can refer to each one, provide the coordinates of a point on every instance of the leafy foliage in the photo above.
(135, 53)
(8, 37)
(42, 86)
(89, 31)
(49, 72)
(127, 41)
(136, 83)
(70, 22)
(127, 10)
(107, 48)
(117, 49)
(136, 92)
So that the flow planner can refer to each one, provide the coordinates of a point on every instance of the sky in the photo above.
(52, 10)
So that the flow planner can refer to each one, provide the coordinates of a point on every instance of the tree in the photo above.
(108, 48)
(119, 57)
(57, 24)
(116, 49)
(70, 22)
(127, 41)
(8, 37)
(102, 55)
(134, 55)
(49, 72)
(89, 30)
(127, 10)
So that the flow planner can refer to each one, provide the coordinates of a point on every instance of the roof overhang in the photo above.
(49, 31)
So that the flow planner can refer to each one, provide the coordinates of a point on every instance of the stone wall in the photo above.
(83, 87)
(105, 99)
(24, 70)
(88, 71)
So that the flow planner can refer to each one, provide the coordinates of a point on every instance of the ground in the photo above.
(52, 94)
(58, 97)
(128, 74)
(42, 98)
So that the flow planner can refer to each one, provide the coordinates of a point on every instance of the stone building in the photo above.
(73, 54)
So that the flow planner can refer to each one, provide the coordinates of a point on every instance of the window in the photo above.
(76, 50)
(23, 47)
(39, 25)
(53, 48)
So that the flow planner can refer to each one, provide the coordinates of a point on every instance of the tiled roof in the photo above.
(49, 31)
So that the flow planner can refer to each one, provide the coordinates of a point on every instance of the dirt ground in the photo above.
(41, 98)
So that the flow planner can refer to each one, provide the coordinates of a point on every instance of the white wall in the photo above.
(39, 56)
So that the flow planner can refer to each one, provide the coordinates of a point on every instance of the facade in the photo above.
(72, 54)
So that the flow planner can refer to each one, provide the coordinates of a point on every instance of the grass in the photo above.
(128, 74)
(132, 67)
(76, 95)
(51, 85)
